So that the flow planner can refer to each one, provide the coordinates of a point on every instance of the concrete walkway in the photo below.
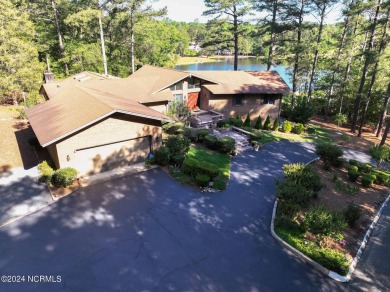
(373, 270)
(21, 194)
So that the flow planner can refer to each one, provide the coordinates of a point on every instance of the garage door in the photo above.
(106, 157)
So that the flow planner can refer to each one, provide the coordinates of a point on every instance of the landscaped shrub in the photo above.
(286, 127)
(173, 128)
(207, 168)
(347, 188)
(275, 126)
(291, 192)
(352, 214)
(201, 134)
(339, 162)
(178, 145)
(189, 166)
(364, 168)
(311, 131)
(219, 183)
(353, 162)
(202, 180)
(353, 175)
(223, 123)
(267, 124)
(247, 122)
(381, 177)
(211, 142)
(368, 180)
(259, 123)
(303, 175)
(329, 151)
(194, 137)
(64, 177)
(320, 221)
(326, 166)
(177, 160)
(187, 132)
(45, 171)
(353, 168)
(288, 209)
(248, 129)
(298, 128)
(226, 144)
(237, 122)
(340, 119)
(301, 112)
(162, 155)
(380, 153)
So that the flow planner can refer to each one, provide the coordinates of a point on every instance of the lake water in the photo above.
(244, 64)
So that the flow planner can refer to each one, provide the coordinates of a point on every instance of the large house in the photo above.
(95, 123)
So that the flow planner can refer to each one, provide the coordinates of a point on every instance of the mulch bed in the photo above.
(58, 193)
(368, 199)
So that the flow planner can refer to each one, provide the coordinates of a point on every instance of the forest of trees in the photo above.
(339, 69)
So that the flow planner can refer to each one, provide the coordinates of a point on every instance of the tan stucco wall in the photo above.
(158, 106)
(118, 127)
(252, 104)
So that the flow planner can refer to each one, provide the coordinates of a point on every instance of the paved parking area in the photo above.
(145, 232)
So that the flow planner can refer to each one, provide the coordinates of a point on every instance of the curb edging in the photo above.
(316, 265)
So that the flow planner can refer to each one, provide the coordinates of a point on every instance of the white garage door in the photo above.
(106, 157)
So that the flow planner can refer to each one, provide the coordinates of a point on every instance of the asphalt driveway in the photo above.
(146, 232)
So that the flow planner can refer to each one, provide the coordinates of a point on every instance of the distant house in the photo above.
(95, 123)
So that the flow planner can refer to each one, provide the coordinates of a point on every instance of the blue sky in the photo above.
(189, 10)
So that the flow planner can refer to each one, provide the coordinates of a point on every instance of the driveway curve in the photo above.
(146, 232)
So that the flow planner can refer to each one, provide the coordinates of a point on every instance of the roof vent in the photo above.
(48, 77)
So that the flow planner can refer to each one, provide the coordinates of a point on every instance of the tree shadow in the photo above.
(29, 157)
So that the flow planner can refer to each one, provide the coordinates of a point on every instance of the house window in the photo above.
(193, 83)
(268, 100)
(178, 98)
(238, 100)
(177, 86)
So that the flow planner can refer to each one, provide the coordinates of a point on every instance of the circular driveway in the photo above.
(146, 232)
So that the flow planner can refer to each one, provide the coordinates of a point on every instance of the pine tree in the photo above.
(267, 124)
(247, 122)
(259, 123)
(275, 127)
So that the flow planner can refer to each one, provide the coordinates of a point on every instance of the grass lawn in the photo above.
(222, 161)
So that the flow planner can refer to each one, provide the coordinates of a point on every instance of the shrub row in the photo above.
(62, 177)
(203, 172)
(173, 152)
(223, 144)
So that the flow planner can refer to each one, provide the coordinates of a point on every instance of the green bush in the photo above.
(177, 160)
(190, 166)
(275, 126)
(178, 145)
(347, 188)
(311, 131)
(381, 177)
(352, 214)
(202, 133)
(64, 177)
(353, 175)
(298, 128)
(303, 175)
(46, 171)
(247, 122)
(353, 162)
(248, 129)
(162, 155)
(320, 221)
(220, 183)
(301, 112)
(365, 168)
(259, 123)
(329, 151)
(187, 132)
(291, 192)
(207, 168)
(237, 122)
(173, 128)
(380, 153)
(202, 180)
(340, 119)
(194, 137)
(211, 142)
(288, 209)
(339, 162)
(286, 127)
(223, 123)
(267, 124)
(327, 165)
(353, 168)
(368, 179)
(226, 144)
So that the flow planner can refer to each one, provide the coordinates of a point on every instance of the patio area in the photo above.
(205, 119)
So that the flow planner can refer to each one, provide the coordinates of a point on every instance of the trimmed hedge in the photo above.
(353, 175)
(259, 123)
(202, 133)
(211, 142)
(64, 177)
(286, 127)
(207, 168)
(189, 166)
(226, 144)
(329, 151)
(202, 180)
(368, 180)
(339, 162)
(298, 128)
(178, 145)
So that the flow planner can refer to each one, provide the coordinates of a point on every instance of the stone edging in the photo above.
(319, 267)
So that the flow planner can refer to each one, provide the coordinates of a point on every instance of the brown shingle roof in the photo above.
(75, 108)
(242, 82)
